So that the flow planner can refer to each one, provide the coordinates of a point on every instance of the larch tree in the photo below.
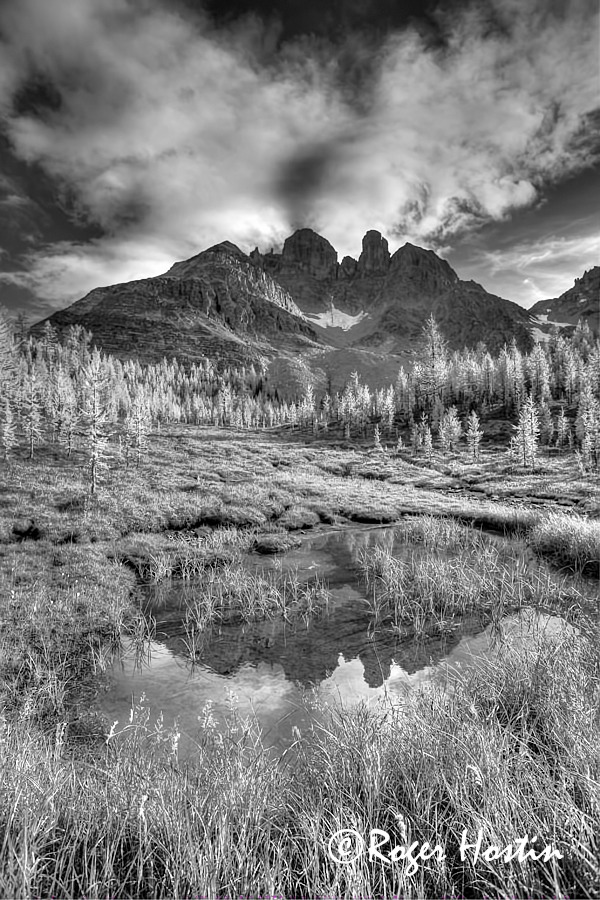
(562, 428)
(31, 412)
(450, 430)
(433, 360)
(526, 437)
(137, 425)
(8, 431)
(474, 435)
(94, 410)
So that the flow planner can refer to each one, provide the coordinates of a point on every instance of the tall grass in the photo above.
(512, 750)
(432, 592)
(569, 541)
(438, 532)
(233, 594)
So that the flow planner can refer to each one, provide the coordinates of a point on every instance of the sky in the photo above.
(134, 133)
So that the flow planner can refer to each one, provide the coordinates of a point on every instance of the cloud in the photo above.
(539, 269)
(67, 271)
(171, 134)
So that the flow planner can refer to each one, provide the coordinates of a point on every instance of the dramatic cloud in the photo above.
(171, 134)
(540, 265)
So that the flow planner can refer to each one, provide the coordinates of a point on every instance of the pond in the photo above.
(285, 672)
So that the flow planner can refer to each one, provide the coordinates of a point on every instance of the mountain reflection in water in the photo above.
(280, 671)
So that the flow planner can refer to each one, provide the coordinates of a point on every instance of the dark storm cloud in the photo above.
(167, 132)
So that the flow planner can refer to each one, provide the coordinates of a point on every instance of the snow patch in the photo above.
(335, 318)
(543, 320)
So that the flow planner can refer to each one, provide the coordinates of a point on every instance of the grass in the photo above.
(232, 594)
(431, 593)
(568, 541)
(511, 750)
(84, 816)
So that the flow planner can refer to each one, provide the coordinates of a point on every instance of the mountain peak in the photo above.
(375, 256)
(310, 252)
(423, 266)
(186, 268)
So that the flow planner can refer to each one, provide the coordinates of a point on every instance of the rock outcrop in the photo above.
(307, 251)
(375, 256)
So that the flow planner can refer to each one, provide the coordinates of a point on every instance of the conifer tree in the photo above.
(433, 359)
(546, 425)
(31, 411)
(137, 426)
(415, 438)
(94, 410)
(450, 430)
(376, 437)
(563, 429)
(527, 434)
(427, 443)
(8, 431)
(474, 435)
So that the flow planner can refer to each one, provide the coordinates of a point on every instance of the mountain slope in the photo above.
(582, 301)
(301, 304)
(216, 304)
(381, 301)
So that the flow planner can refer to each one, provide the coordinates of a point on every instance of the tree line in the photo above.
(65, 393)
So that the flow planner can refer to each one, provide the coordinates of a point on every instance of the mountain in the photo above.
(299, 309)
(216, 304)
(380, 301)
(582, 301)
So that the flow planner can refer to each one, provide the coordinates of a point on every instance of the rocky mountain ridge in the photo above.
(392, 294)
(301, 305)
(582, 301)
(216, 304)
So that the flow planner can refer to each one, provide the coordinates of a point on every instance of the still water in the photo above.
(284, 673)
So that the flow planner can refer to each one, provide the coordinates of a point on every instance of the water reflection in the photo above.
(279, 671)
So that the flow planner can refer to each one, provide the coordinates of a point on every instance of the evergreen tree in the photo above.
(527, 434)
(31, 411)
(450, 430)
(376, 438)
(563, 429)
(546, 425)
(427, 443)
(474, 435)
(433, 359)
(95, 404)
(8, 431)
(137, 426)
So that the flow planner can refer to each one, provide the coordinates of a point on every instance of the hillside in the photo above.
(216, 304)
(582, 301)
